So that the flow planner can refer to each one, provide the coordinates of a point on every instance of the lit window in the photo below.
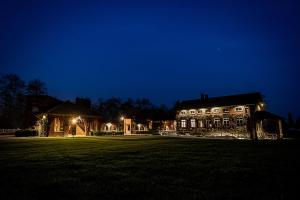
(199, 111)
(239, 121)
(207, 111)
(226, 122)
(216, 110)
(238, 109)
(57, 125)
(200, 123)
(226, 110)
(193, 123)
(217, 122)
(183, 123)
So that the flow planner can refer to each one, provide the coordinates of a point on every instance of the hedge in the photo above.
(101, 133)
(26, 133)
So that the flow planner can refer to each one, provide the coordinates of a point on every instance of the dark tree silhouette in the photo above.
(85, 102)
(36, 87)
(140, 109)
(11, 101)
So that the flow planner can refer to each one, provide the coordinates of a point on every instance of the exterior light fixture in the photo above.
(74, 121)
(109, 125)
(121, 118)
(44, 116)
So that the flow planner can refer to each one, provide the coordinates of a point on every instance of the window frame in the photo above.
(217, 122)
(192, 112)
(226, 121)
(183, 123)
(225, 110)
(240, 121)
(238, 109)
(193, 123)
(183, 112)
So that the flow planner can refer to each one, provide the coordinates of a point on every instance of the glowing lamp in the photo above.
(74, 121)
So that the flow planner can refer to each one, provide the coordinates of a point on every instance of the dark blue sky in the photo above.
(160, 50)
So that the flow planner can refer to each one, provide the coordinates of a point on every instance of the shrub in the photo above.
(26, 133)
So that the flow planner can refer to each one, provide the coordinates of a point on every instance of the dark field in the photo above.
(148, 168)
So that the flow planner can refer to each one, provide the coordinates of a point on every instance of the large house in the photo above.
(239, 116)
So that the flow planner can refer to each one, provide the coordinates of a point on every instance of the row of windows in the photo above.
(208, 123)
(214, 110)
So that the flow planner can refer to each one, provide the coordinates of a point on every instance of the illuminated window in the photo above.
(183, 123)
(226, 122)
(57, 125)
(239, 121)
(217, 122)
(207, 111)
(216, 110)
(200, 123)
(199, 111)
(183, 112)
(238, 109)
(226, 110)
(193, 123)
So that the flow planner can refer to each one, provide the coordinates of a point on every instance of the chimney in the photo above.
(202, 97)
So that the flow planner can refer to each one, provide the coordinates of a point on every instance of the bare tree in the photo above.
(11, 100)
(36, 87)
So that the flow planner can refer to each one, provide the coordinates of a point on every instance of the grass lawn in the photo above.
(147, 167)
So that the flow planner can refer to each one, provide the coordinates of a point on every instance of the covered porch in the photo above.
(268, 125)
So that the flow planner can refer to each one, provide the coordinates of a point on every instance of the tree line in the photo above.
(13, 93)
(12, 98)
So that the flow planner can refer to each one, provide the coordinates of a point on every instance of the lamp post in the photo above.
(74, 121)
(43, 126)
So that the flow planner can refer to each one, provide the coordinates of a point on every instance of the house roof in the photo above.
(42, 102)
(70, 109)
(239, 99)
(266, 115)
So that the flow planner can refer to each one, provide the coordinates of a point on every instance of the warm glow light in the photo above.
(122, 118)
(74, 121)
(109, 124)
(44, 116)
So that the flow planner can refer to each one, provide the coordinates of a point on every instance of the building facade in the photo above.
(67, 119)
(227, 116)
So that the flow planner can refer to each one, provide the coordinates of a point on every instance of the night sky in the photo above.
(164, 51)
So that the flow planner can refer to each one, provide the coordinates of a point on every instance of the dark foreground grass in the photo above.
(148, 168)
